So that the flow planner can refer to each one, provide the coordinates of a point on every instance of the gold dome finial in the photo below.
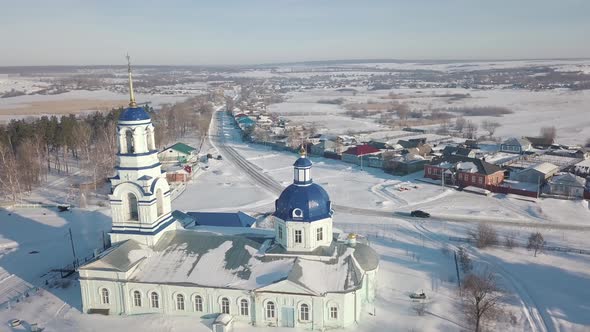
(302, 151)
(131, 96)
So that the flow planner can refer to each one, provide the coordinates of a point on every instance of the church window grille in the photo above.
(298, 236)
(333, 312)
(304, 312)
(137, 299)
(198, 303)
(280, 233)
(320, 234)
(155, 300)
(270, 310)
(104, 295)
(179, 302)
(244, 307)
(225, 305)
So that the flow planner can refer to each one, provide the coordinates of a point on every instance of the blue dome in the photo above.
(302, 162)
(303, 203)
(134, 114)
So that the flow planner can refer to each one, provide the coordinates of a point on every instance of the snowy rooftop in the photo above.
(188, 257)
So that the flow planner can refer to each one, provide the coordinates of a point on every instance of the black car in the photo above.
(419, 214)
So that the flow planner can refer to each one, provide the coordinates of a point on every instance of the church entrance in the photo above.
(287, 317)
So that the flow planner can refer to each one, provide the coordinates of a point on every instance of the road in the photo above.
(219, 134)
(537, 319)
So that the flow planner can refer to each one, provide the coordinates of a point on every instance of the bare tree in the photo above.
(464, 260)
(484, 236)
(548, 132)
(460, 123)
(481, 298)
(509, 241)
(536, 242)
(471, 129)
(490, 127)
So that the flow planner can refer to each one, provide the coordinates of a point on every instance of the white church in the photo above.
(299, 274)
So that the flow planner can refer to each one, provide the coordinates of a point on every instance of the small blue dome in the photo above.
(303, 203)
(302, 162)
(134, 114)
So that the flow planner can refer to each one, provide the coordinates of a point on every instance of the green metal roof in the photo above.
(181, 147)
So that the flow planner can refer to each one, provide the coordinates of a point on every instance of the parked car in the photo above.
(419, 214)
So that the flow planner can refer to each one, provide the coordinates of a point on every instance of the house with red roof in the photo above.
(354, 154)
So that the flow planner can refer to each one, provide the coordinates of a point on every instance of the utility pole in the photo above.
(72, 243)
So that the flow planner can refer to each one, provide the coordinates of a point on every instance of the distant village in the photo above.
(528, 166)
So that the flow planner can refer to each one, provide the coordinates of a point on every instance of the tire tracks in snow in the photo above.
(535, 316)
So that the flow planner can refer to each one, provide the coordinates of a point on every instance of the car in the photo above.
(419, 214)
(14, 322)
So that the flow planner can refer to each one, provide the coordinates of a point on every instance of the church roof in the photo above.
(193, 258)
(302, 162)
(312, 199)
(134, 114)
(225, 219)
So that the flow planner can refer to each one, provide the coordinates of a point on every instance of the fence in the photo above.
(508, 190)
(522, 245)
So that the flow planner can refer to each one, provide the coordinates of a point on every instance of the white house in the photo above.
(298, 274)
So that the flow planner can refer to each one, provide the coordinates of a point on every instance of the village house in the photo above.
(179, 152)
(568, 185)
(516, 145)
(582, 168)
(355, 154)
(465, 172)
(538, 173)
(403, 164)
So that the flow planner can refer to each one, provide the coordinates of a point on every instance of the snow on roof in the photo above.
(223, 319)
(467, 167)
(545, 168)
(568, 179)
(237, 261)
(584, 163)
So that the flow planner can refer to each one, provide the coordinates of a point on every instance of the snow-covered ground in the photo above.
(547, 292)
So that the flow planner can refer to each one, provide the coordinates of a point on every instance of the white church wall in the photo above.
(309, 234)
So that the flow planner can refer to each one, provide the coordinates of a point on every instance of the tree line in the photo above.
(33, 148)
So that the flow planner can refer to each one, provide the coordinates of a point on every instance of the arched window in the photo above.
(159, 202)
(129, 141)
(304, 312)
(333, 312)
(133, 213)
(104, 296)
(155, 300)
(179, 302)
(270, 310)
(244, 307)
(198, 303)
(224, 305)
(137, 299)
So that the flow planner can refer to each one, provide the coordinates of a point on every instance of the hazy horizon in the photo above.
(234, 32)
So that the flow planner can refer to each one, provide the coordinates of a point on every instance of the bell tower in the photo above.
(140, 194)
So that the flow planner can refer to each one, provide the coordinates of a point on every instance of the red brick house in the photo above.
(463, 172)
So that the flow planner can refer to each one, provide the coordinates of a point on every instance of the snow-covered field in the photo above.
(564, 109)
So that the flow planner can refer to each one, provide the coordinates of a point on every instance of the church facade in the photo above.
(300, 273)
